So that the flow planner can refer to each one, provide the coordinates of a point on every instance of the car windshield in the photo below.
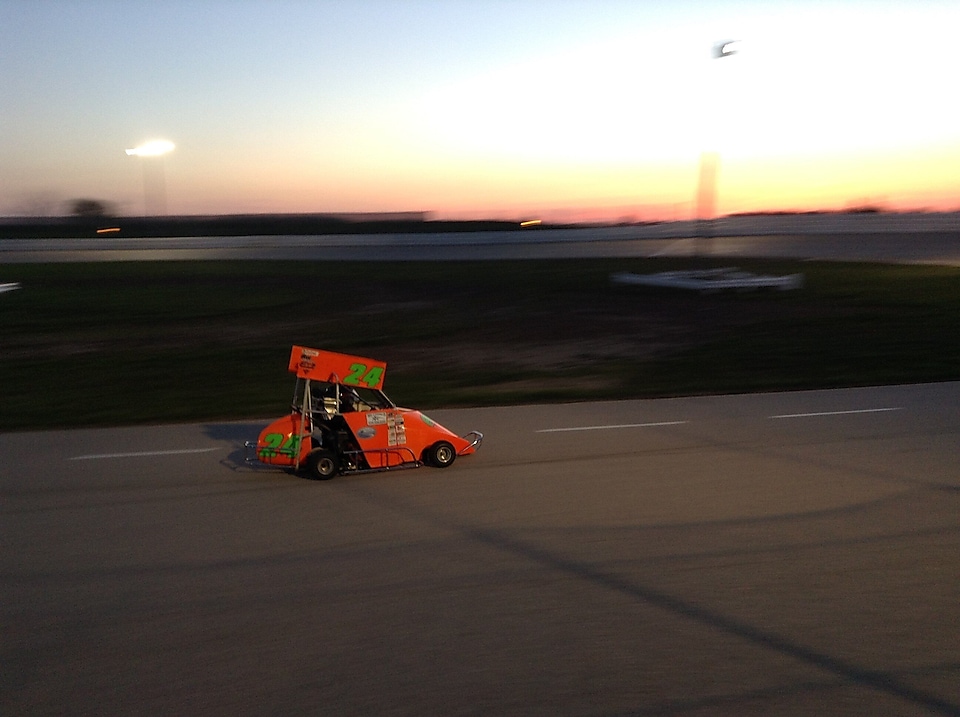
(371, 399)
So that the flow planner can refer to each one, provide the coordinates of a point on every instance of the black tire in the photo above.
(322, 464)
(440, 455)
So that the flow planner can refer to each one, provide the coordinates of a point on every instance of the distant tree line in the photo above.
(91, 217)
(90, 208)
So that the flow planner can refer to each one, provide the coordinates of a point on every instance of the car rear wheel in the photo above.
(322, 464)
(441, 454)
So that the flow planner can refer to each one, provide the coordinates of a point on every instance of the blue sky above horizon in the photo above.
(478, 107)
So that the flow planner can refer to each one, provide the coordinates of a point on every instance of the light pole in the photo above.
(154, 180)
(709, 162)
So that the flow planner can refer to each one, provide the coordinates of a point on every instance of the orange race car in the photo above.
(341, 422)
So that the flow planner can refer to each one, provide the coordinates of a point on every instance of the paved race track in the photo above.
(857, 244)
(777, 554)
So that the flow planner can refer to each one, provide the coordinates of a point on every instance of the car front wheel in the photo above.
(441, 455)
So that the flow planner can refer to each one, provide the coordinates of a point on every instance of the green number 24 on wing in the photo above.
(360, 374)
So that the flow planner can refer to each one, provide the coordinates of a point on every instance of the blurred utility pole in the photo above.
(706, 197)
(154, 176)
(709, 166)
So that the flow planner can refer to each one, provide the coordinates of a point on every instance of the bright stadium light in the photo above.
(153, 148)
(154, 180)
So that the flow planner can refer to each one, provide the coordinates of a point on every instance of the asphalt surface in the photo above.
(907, 239)
(787, 554)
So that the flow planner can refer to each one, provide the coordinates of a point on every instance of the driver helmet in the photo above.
(349, 399)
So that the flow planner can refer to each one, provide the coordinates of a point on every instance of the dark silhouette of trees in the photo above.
(89, 208)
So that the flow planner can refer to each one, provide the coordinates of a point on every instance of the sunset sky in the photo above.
(469, 108)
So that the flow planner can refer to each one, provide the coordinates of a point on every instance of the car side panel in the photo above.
(397, 435)
(279, 443)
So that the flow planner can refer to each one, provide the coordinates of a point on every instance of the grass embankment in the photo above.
(110, 344)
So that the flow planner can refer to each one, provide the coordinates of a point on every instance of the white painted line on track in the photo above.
(140, 454)
(836, 413)
(603, 428)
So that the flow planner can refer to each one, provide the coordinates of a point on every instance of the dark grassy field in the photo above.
(111, 344)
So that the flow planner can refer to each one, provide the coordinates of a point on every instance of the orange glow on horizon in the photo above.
(452, 186)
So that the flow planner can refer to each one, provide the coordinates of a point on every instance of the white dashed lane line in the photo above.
(610, 427)
(835, 413)
(679, 423)
(141, 454)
